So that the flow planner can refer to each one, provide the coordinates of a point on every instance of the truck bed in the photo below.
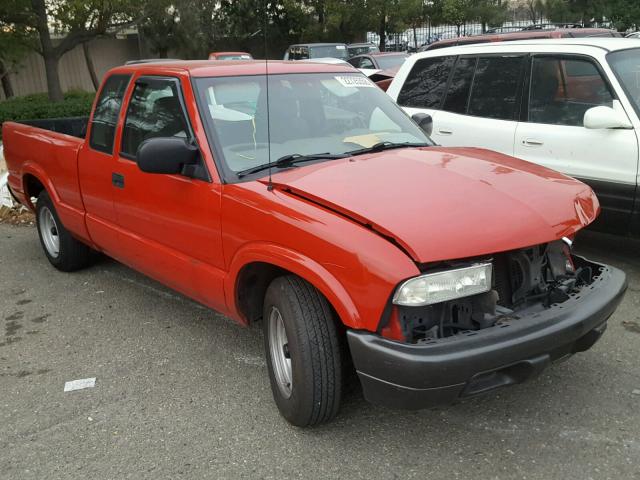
(74, 126)
(48, 150)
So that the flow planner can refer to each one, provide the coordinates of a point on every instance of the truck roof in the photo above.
(206, 68)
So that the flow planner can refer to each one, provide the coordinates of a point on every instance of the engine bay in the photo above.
(524, 281)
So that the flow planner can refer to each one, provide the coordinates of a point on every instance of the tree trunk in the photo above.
(53, 78)
(6, 81)
(382, 30)
(90, 66)
(49, 54)
(415, 38)
(7, 88)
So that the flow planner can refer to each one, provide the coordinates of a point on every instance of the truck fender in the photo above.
(72, 218)
(32, 168)
(298, 264)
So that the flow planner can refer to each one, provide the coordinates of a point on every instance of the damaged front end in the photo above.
(529, 308)
(522, 282)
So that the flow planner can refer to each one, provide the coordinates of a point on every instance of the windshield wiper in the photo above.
(290, 161)
(378, 147)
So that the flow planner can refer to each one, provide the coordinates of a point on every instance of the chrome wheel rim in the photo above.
(49, 232)
(279, 351)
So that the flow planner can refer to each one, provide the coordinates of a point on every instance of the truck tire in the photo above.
(62, 250)
(303, 352)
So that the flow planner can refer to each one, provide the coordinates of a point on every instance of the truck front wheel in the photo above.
(303, 352)
(62, 250)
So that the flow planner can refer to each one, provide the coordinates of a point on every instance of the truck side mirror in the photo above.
(168, 155)
(604, 117)
(424, 121)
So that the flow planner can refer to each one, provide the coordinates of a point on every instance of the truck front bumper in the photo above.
(414, 376)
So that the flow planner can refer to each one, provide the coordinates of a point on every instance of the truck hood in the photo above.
(441, 203)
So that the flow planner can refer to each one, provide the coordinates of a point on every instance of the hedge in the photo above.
(34, 107)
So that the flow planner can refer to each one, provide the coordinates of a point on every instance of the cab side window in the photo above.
(105, 116)
(494, 93)
(460, 86)
(366, 63)
(154, 111)
(355, 61)
(426, 83)
(563, 89)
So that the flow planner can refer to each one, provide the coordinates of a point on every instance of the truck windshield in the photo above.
(308, 114)
(626, 65)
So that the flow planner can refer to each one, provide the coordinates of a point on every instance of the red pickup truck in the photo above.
(307, 199)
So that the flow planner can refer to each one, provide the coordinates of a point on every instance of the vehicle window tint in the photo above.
(105, 116)
(563, 89)
(154, 111)
(460, 86)
(495, 88)
(426, 83)
(366, 63)
(355, 61)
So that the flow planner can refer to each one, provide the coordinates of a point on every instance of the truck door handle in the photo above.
(532, 142)
(117, 180)
(443, 131)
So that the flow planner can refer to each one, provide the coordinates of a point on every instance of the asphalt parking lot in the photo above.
(182, 392)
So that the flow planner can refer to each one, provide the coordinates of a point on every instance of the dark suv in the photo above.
(306, 51)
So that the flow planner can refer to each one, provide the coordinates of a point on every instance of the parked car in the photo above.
(522, 35)
(230, 56)
(379, 61)
(633, 35)
(570, 105)
(317, 50)
(379, 67)
(324, 211)
(361, 48)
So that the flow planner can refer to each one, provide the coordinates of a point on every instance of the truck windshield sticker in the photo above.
(355, 81)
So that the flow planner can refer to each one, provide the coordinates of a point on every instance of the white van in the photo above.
(572, 105)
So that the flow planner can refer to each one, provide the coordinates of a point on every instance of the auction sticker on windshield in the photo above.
(355, 81)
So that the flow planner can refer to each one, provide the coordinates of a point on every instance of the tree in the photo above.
(347, 20)
(160, 26)
(625, 14)
(536, 9)
(13, 50)
(456, 12)
(488, 12)
(74, 21)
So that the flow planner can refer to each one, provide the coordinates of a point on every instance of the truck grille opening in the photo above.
(530, 279)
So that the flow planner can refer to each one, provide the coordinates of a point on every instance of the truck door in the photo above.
(95, 162)
(170, 224)
(561, 89)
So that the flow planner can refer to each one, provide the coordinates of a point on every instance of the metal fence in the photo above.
(411, 39)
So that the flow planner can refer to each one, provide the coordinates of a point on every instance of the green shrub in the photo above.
(37, 106)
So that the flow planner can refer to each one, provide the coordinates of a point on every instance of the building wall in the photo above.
(106, 53)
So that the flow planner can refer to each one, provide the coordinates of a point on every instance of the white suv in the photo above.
(569, 104)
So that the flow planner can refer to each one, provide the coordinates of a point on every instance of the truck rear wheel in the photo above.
(303, 352)
(62, 250)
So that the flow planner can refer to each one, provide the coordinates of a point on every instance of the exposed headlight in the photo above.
(446, 285)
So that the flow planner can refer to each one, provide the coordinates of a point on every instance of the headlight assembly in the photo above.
(443, 286)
